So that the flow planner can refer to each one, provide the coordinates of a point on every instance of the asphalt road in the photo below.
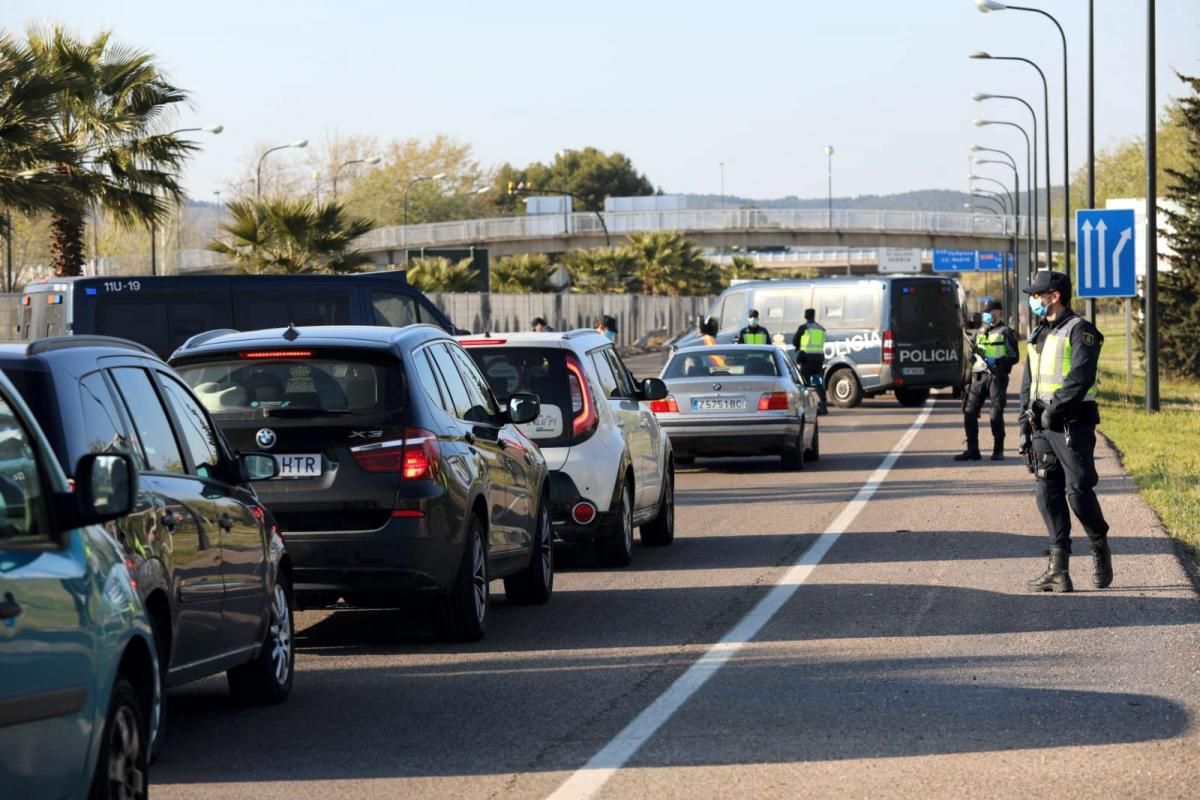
(902, 658)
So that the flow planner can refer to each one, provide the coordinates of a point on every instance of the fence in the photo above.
(9, 303)
(636, 314)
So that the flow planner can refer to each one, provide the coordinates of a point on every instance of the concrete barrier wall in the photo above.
(636, 314)
(9, 303)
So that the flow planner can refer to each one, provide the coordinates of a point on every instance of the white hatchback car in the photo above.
(611, 463)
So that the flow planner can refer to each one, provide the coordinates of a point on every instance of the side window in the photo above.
(483, 404)
(159, 449)
(625, 385)
(198, 433)
(394, 309)
(459, 398)
(102, 424)
(604, 371)
(734, 311)
(423, 372)
(22, 519)
(831, 306)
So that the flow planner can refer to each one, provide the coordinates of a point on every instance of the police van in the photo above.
(163, 312)
(884, 333)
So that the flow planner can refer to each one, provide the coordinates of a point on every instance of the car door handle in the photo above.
(225, 523)
(10, 608)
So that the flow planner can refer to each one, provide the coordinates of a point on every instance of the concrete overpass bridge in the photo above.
(743, 228)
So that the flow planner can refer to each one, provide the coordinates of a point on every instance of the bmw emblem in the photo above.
(265, 438)
(716, 387)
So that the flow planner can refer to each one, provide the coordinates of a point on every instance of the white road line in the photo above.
(591, 778)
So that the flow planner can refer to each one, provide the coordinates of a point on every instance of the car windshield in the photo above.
(289, 386)
(722, 361)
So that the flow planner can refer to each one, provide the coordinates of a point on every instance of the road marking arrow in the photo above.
(1087, 254)
(1102, 252)
(1126, 235)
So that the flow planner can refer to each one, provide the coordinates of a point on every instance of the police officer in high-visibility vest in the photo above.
(1059, 417)
(809, 342)
(996, 351)
(753, 333)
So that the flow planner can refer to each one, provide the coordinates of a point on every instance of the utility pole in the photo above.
(1091, 128)
(1151, 218)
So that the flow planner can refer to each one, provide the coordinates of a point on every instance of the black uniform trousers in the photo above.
(985, 386)
(1066, 482)
(810, 365)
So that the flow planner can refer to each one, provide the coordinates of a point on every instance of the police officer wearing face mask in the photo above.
(1058, 410)
(753, 333)
(995, 354)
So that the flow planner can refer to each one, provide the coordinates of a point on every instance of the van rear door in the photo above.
(926, 331)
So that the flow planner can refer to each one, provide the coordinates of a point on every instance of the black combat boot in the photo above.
(1102, 573)
(1055, 578)
(970, 454)
(998, 450)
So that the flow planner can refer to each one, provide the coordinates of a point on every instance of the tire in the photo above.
(122, 767)
(814, 453)
(793, 457)
(910, 398)
(162, 644)
(616, 548)
(844, 389)
(533, 585)
(268, 678)
(461, 616)
(660, 531)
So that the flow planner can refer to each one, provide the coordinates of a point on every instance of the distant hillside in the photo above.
(923, 200)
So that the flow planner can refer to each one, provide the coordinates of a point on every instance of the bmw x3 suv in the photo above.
(611, 462)
(400, 476)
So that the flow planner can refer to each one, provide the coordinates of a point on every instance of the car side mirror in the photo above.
(106, 487)
(653, 389)
(523, 407)
(257, 466)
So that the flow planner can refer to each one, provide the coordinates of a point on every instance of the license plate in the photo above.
(913, 370)
(719, 404)
(300, 465)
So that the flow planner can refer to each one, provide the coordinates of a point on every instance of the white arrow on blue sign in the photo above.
(1104, 253)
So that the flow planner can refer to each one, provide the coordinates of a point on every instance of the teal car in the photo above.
(79, 694)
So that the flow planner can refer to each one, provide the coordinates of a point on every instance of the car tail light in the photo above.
(583, 409)
(27, 300)
(583, 512)
(415, 456)
(774, 401)
(667, 406)
(889, 347)
(407, 513)
(481, 342)
(252, 354)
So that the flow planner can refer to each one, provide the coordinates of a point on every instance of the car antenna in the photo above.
(291, 334)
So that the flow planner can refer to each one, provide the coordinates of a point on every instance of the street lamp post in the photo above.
(414, 182)
(373, 160)
(992, 5)
(829, 173)
(521, 188)
(1151, 218)
(979, 54)
(1011, 164)
(1031, 154)
(722, 184)
(214, 130)
(299, 144)
(979, 123)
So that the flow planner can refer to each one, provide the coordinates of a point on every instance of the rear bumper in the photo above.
(564, 495)
(933, 376)
(731, 437)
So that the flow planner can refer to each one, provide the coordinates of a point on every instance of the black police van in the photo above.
(164, 312)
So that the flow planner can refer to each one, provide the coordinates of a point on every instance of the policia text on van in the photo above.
(164, 312)
(901, 334)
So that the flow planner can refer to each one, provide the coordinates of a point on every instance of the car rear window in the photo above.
(540, 371)
(925, 309)
(722, 361)
(319, 384)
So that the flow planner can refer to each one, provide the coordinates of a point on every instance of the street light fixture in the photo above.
(979, 123)
(1031, 154)
(829, 158)
(372, 161)
(1011, 164)
(299, 144)
(210, 128)
(418, 179)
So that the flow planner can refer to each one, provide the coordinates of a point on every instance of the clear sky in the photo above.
(679, 87)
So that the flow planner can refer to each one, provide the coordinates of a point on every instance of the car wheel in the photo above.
(660, 531)
(910, 398)
(162, 644)
(121, 769)
(814, 453)
(844, 389)
(268, 678)
(461, 615)
(793, 457)
(616, 549)
(534, 584)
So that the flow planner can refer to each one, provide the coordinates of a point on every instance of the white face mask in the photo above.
(754, 322)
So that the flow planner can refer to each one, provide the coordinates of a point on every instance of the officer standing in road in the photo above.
(753, 333)
(1059, 417)
(708, 331)
(996, 351)
(809, 342)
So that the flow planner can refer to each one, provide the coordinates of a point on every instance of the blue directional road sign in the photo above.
(1104, 253)
(991, 261)
(953, 260)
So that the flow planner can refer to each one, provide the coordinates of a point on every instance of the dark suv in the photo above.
(211, 569)
(400, 474)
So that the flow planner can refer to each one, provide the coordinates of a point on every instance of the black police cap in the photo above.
(1050, 281)
(995, 305)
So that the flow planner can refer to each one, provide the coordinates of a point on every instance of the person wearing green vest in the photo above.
(1059, 418)
(996, 351)
(809, 342)
(753, 333)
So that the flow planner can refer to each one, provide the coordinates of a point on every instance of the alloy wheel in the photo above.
(627, 519)
(127, 780)
(546, 545)
(479, 578)
(281, 636)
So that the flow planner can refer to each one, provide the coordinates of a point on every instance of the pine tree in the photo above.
(1179, 288)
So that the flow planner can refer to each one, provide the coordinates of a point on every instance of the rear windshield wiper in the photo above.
(307, 412)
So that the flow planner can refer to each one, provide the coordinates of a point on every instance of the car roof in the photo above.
(367, 337)
(82, 349)
(586, 338)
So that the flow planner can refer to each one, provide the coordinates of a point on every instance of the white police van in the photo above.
(884, 333)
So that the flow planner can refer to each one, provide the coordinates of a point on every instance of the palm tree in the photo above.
(108, 122)
(602, 271)
(523, 274)
(668, 263)
(285, 236)
(439, 274)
